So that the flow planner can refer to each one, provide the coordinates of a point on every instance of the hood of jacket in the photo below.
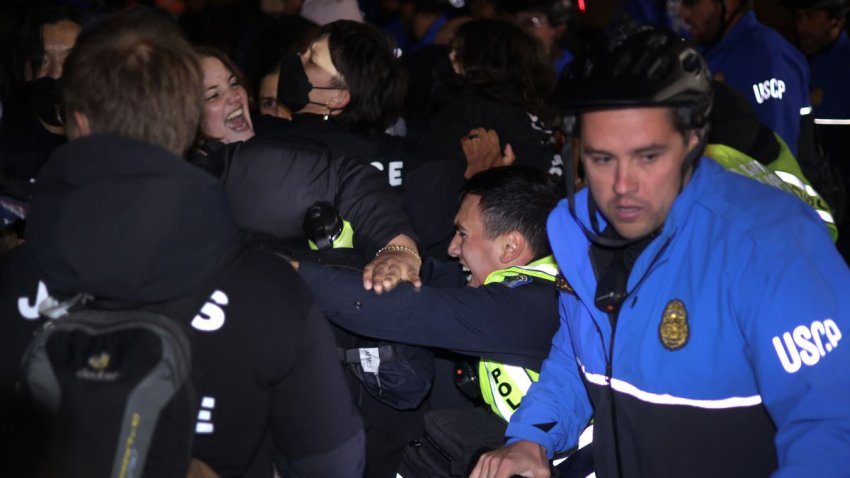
(127, 221)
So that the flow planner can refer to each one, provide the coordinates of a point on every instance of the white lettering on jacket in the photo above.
(211, 317)
(204, 425)
(394, 174)
(768, 89)
(805, 345)
(29, 308)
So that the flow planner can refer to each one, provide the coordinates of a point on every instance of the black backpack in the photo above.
(117, 385)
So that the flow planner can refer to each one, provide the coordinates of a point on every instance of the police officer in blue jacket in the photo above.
(820, 31)
(703, 313)
(755, 60)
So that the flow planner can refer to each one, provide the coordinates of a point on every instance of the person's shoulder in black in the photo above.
(266, 360)
(389, 154)
(271, 183)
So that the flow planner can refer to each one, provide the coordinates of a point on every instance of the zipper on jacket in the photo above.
(613, 319)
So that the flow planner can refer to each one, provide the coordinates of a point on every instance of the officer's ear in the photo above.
(340, 99)
(513, 248)
(78, 125)
(836, 24)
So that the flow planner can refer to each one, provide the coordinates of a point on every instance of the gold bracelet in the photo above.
(398, 248)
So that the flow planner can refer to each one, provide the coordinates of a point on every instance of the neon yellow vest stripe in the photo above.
(345, 238)
(503, 386)
(782, 173)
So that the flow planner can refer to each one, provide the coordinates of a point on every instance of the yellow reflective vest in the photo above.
(784, 173)
(503, 386)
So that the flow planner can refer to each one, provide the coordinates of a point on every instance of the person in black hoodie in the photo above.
(118, 215)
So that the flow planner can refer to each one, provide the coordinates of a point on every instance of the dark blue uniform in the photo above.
(830, 94)
(769, 71)
(509, 322)
(830, 85)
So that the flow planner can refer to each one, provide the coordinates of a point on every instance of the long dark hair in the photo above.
(502, 61)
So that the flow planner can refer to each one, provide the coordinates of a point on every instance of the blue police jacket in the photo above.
(772, 74)
(830, 86)
(727, 358)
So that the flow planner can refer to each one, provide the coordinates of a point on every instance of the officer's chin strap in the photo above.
(594, 233)
(690, 162)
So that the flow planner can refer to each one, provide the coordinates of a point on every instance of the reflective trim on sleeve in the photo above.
(832, 121)
(806, 110)
(586, 438)
(667, 399)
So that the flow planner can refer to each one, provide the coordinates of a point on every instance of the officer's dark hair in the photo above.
(501, 60)
(516, 198)
(367, 60)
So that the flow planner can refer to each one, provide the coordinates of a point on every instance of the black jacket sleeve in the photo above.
(311, 412)
(512, 325)
(271, 184)
(365, 200)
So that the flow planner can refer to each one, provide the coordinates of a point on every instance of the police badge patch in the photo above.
(674, 329)
(516, 281)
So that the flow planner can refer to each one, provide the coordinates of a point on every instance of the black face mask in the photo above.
(45, 100)
(293, 86)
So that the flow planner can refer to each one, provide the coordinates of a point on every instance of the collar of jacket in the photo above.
(730, 40)
(544, 268)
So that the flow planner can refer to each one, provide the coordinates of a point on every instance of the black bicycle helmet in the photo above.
(648, 67)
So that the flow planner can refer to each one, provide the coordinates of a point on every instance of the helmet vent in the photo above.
(657, 41)
(691, 63)
(621, 64)
(660, 69)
